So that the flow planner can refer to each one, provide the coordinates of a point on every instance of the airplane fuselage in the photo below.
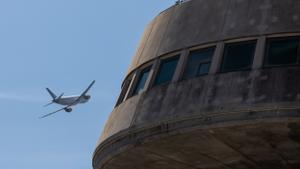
(67, 100)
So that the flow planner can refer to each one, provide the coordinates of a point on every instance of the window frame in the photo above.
(248, 41)
(203, 49)
(125, 88)
(141, 71)
(267, 50)
(174, 56)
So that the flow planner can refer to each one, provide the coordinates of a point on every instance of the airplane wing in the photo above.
(87, 89)
(49, 114)
(82, 94)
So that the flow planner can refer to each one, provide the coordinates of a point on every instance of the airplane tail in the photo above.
(51, 93)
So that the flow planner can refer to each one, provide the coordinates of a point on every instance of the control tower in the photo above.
(214, 84)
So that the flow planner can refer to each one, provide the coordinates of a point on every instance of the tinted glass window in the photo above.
(166, 71)
(198, 63)
(203, 69)
(124, 90)
(282, 51)
(238, 56)
(141, 81)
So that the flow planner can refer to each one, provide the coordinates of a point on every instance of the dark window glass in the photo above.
(238, 56)
(204, 69)
(124, 90)
(282, 51)
(166, 71)
(141, 81)
(198, 63)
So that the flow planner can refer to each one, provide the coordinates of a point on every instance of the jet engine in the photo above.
(68, 109)
(87, 97)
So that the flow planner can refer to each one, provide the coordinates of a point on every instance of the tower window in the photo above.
(166, 71)
(140, 85)
(198, 63)
(281, 51)
(124, 90)
(238, 56)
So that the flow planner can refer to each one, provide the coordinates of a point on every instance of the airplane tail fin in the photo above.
(51, 93)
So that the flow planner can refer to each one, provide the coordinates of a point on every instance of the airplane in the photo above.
(68, 101)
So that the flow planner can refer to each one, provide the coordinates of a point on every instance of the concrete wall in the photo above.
(194, 23)
(260, 93)
(207, 96)
(203, 21)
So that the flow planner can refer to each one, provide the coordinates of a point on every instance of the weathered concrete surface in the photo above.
(142, 44)
(120, 120)
(261, 144)
(157, 35)
(231, 99)
(203, 21)
(221, 93)
(209, 95)
(236, 120)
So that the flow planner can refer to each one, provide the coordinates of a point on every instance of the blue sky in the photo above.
(63, 45)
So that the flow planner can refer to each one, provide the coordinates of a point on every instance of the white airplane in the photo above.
(68, 101)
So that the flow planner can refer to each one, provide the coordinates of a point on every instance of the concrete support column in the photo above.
(180, 65)
(152, 74)
(129, 89)
(259, 53)
(217, 59)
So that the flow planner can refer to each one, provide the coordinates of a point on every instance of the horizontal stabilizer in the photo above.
(48, 104)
